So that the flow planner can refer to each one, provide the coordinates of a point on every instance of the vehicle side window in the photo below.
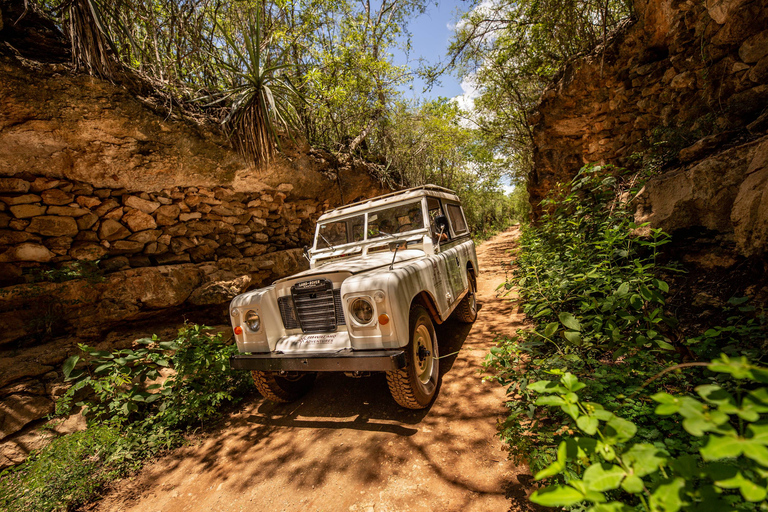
(437, 222)
(457, 219)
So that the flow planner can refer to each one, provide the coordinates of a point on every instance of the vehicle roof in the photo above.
(400, 195)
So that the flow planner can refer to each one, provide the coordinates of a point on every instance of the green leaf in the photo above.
(569, 321)
(571, 382)
(620, 429)
(722, 447)
(551, 329)
(69, 365)
(622, 290)
(613, 506)
(603, 477)
(556, 467)
(750, 490)
(669, 404)
(633, 484)
(757, 452)
(571, 410)
(549, 400)
(667, 497)
(636, 301)
(557, 496)
(644, 458)
(573, 337)
(588, 424)
(546, 386)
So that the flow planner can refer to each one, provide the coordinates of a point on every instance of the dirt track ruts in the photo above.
(346, 446)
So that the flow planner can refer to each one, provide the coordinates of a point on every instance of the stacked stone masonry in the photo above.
(46, 223)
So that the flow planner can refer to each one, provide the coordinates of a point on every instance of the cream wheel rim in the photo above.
(423, 338)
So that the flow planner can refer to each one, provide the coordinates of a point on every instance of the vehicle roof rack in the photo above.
(434, 188)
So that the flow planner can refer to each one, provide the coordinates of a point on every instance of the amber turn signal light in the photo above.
(238, 330)
(383, 319)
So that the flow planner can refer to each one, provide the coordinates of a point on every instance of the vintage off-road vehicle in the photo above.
(382, 273)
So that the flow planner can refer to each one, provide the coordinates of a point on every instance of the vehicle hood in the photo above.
(359, 264)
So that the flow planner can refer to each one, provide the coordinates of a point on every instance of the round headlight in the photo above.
(361, 310)
(253, 321)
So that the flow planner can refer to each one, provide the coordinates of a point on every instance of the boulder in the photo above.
(53, 226)
(18, 411)
(27, 252)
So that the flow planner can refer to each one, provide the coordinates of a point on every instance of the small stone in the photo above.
(19, 224)
(87, 236)
(102, 193)
(8, 237)
(25, 211)
(754, 48)
(141, 204)
(57, 197)
(127, 246)
(285, 187)
(137, 220)
(27, 252)
(181, 244)
(184, 217)
(192, 199)
(166, 215)
(115, 214)
(254, 204)
(41, 184)
(53, 226)
(67, 211)
(112, 230)
(144, 237)
(87, 251)
(26, 198)
(163, 200)
(87, 221)
(260, 237)
(60, 244)
(106, 206)
(88, 202)
(13, 185)
(164, 239)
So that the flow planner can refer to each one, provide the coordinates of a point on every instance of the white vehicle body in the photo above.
(351, 311)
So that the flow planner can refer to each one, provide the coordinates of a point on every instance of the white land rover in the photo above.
(382, 272)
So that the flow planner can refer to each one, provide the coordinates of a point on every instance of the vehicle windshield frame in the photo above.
(379, 238)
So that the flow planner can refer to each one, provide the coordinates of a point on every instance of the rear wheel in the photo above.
(415, 385)
(282, 388)
(466, 311)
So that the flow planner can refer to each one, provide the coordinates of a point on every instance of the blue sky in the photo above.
(430, 36)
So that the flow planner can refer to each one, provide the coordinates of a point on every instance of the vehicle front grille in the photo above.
(313, 306)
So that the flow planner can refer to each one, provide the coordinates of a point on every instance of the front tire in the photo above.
(281, 389)
(414, 386)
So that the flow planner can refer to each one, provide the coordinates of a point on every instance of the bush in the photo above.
(138, 402)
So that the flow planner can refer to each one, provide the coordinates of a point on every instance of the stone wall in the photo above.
(683, 82)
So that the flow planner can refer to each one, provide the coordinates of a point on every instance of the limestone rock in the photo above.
(126, 247)
(53, 226)
(8, 237)
(56, 197)
(87, 221)
(220, 291)
(88, 202)
(754, 48)
(24, 199)
(26, 211)
(87, 251)
(166, 215)
(112, 230)
(19, 410)
(184, 217)
(141, 204)
(66, 211)
(27, 252)
(13, 185)
(150, 235)
(137, 220)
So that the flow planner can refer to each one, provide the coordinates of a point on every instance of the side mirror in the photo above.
(305, 249)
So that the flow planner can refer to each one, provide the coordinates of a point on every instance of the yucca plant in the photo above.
(261, 96)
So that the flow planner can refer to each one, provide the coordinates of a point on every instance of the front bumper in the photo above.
(343, 361)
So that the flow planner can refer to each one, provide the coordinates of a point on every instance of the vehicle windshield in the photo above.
(340, 232)
(393, 221)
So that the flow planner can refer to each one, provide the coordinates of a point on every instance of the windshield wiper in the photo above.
(326, 241)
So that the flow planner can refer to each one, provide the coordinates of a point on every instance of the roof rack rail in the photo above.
(435, 188)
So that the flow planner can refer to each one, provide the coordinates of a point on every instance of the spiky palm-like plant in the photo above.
(261, 97)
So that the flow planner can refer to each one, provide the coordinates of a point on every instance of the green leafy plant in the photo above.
(607, 469)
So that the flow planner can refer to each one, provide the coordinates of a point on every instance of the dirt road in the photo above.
(346, 446)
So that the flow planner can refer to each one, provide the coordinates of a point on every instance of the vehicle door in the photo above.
(447, 277)
(457, 252)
